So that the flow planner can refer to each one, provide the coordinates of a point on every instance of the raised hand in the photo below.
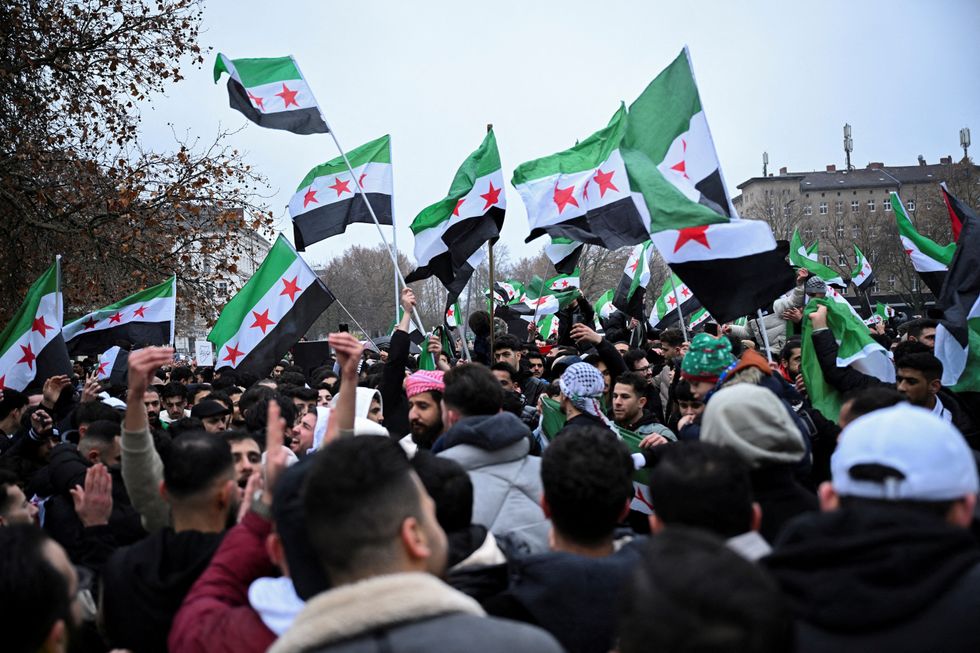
(93, 503)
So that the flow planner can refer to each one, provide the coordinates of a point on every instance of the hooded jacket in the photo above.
(880, 578)
(143, 586)
(405, 612)
(494, 450)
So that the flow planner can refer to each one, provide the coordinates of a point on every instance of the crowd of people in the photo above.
(615, 489)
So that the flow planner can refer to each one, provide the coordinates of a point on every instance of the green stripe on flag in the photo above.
(256, 72)
(165, 289)
(927, 246)
(22, 320)
(280, 257)
(377, 151)
(585, 155)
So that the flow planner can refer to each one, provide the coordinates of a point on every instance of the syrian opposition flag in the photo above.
(958, 333)
(582, 194)
(270, 313)
(881, 314)
(548, 326)
(327, 199)
(734, 266)
(929, 259)
(140, 320)
(564, 282)
(604, 305)
(698, 318)
(564, 253)
(665, 312)
(506, 292)
(454, 316)
(856, 348)
(113, 366)
(632, 285)
(449, 234)
(956, 210)
(800, 253)
(271, 93)
(32, 348)
(862, 276)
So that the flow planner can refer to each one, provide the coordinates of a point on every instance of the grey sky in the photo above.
(775, 76)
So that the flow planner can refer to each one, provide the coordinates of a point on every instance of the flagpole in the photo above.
(356, 323)
(490, 244)
(537, 305)
(357, 185)
(394, 237)
(466, 321)
(761, 324)
(680, 313)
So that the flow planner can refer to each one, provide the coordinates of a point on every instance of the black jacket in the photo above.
(392, 391)
(144, 584)
(575, 598)
(880, 578)
(781, 498)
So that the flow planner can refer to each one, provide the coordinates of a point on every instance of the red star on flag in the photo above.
(40, 326)
(685, 291)
(116, 318)
(681, 166)
(672, 300)
(492, 196)
(539, 301)
(101, 370)
(909, 252)
(309, 196)
(262, 320)
(636, 264)
(28, 356)
(604, 179)
(563, 197)
(585, 190)
(288, 96)
(340, 186)
(696, 234)
(233, 353)
(89, 323)
(256, 99)
(140, 312)
(360, 180)
(459, 203)
(450, 312)
(564, 283)
(290, 288)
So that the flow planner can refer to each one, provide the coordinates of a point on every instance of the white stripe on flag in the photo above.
(339, 187)
(17, 374)
(429, 243)
(158, 309)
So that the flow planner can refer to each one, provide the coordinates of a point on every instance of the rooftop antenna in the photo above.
(848, 145)
(965, 141)
(765, 164)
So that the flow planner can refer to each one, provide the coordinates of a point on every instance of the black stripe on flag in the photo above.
(673, 317)
(634, 305)
(130, 334)
(293, 326)
(52, 360)
(298, 121)
(732, 287)
(332, 219)
(612, 226)
(713, 193)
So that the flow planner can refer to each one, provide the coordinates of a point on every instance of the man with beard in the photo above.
(424, 391)
(151, 400)
(245, 453)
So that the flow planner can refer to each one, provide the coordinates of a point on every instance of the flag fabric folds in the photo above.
(564, 254)
(958, 333)
(327, 199)
(604, 305)
(113, 366)
(956, 210)
(929, 259)
(582, 194)
(450, 233)
(862, 276)
(802, 257)
(271, 312)
(632, 284)
(454, 316)
(665, 311)
(32, 347)
(856, 348)
(564, 282)
(140, 320)
(271, 93)
(733, 266)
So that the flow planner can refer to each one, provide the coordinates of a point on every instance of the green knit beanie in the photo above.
(707, 358)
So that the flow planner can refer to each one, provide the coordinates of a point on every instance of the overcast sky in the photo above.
(776, 76)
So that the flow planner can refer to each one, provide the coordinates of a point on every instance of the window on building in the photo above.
(838, 206)
(823, 231)
(823, 208)
(841, 259)
(888, 205)
(871, 206)
(874, 286)
(826, 259)
(840, 229)
(891, 282)
(807, 210)
(910, 205)
(223, 288)
(855, 206)
(808, 232)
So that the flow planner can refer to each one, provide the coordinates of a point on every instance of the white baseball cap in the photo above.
(931, 456)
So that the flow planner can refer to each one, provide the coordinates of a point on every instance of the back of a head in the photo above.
(174, 389)
(33, 593)
(12, 400)
(868, 400)
(194, 463)
(357, 494)
(449, 486)
(472, 389)
(754, 423)
(100, 435)
(906, 347)
(587, 477)
(508, 341)
(292, 379)
(94, 411)
(693, 594)
(703, 486)
(289, 516)
(672, 337)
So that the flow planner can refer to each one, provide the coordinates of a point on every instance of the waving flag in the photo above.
(665, 311)
(564, 254)
(633, 283)
(930, 260)
(862, 276)
(271, 93)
